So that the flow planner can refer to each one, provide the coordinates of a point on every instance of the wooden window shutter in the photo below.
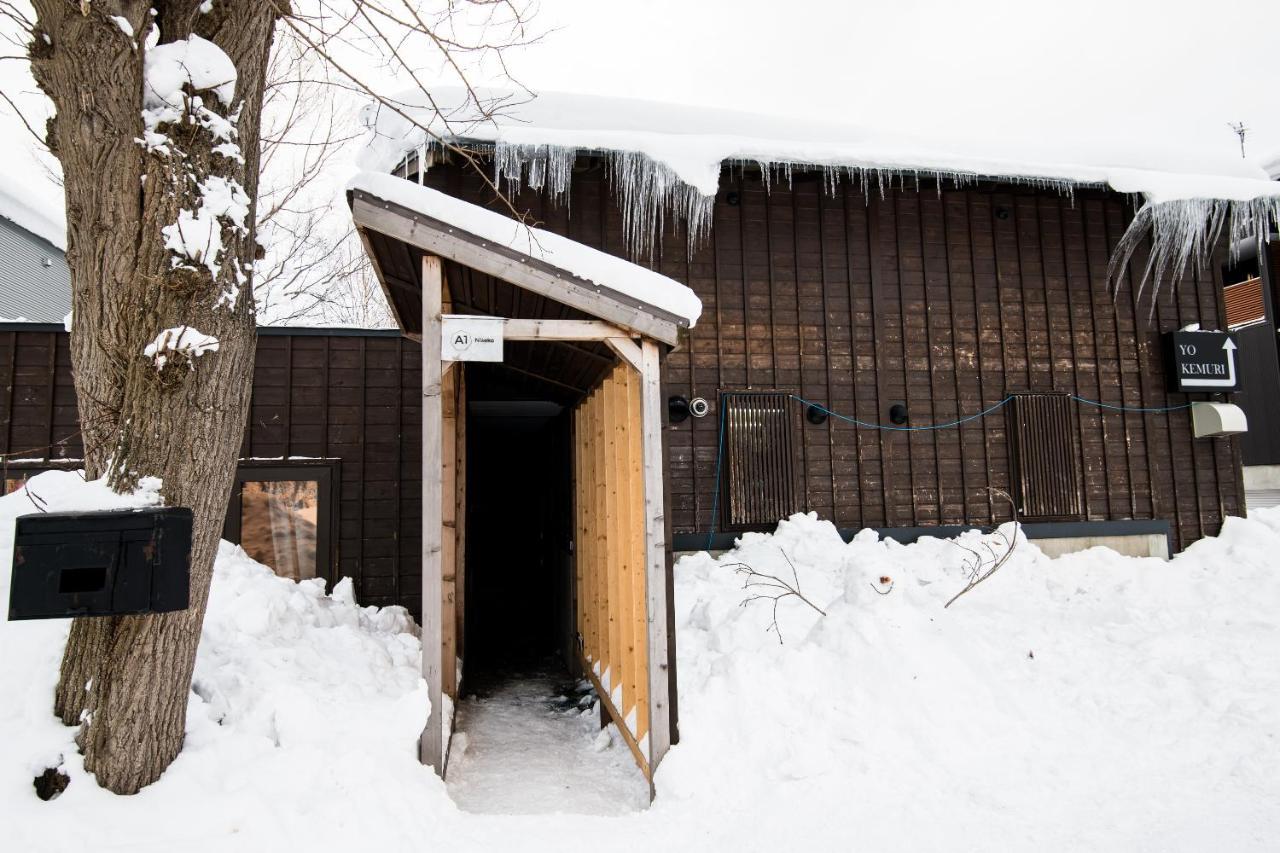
(1044, 471)
(1244, 303)
(759, 459)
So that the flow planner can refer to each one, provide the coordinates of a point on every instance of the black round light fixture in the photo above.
(732, 198)
(815, 415)
(898, 414)
(677, 410)
(1002, 212)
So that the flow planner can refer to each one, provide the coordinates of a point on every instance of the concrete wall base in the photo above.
(1261, 476)
(1137, 545)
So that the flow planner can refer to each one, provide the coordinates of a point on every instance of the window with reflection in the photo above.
(282, 516)
(278, 525)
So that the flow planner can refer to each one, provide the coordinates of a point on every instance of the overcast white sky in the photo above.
(1160, 72)
(1087, 73)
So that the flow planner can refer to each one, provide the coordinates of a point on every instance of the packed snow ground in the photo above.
(1093, 702)
(526, 744)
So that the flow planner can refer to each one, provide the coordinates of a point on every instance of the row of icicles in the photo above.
(1183, 233)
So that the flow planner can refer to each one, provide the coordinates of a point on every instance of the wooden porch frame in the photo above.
(524, 270)
(643, 356)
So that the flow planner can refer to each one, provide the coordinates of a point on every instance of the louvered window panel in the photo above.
(1244, 303)
(759, 459)
(1044, 469)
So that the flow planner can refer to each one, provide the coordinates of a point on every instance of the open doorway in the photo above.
(527, 732)
(519, 611)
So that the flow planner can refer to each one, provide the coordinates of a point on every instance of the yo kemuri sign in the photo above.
(465, 337)
(1202, 361)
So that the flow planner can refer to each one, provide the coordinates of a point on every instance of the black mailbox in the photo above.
(109, 563)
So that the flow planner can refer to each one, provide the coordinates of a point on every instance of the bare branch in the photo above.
(978, 568)
(763, 580)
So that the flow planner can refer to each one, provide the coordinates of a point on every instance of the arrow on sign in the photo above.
(1230, 381)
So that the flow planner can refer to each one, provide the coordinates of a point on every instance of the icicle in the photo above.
(1184, 234)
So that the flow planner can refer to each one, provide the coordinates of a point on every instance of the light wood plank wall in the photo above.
(453, 539)
(610, 568)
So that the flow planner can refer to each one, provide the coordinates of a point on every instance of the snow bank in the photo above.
(1092, 702)
(568, 255)
(296, 696)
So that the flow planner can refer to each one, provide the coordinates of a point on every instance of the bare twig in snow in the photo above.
(979, 566)
(767, 587)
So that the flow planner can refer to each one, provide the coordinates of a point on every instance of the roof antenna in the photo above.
(1241, 131)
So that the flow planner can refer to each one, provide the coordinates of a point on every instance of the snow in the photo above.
(185, 340)
(296, 696)
(694, 142)
(531, 728)
(667, 159)
(197, 236)
(192, 62)
(168, 71)
(1272, 166)
(124, 25)
(568, 255)
(1090, 702)
(32, 203)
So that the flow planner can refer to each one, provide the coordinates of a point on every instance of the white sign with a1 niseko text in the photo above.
(470, 338)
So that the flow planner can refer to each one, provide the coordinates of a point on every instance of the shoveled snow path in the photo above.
(523, 748)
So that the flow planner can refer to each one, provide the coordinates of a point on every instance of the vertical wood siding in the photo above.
(348, 397)
(943, 300)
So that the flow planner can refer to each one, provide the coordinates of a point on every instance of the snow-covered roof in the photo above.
(1272, 165)
(34, 205)
(569, 256)
(694, 142)
(666, 161)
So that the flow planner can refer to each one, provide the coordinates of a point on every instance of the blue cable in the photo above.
(1130, 408)
(866, 425)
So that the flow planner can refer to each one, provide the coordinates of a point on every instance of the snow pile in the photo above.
(667, 159)
(1092, 702)
(305, 710)
(182, 340)
(1089, 702)
(572, 257)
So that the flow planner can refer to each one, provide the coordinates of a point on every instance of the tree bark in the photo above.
(126, 680)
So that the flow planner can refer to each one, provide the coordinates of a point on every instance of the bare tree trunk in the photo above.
(127, 679)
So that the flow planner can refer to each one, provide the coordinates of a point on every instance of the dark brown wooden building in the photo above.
(892, 359)
(330, 479)
(940, 301)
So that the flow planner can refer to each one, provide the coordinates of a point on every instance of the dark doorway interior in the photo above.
(518, 561)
